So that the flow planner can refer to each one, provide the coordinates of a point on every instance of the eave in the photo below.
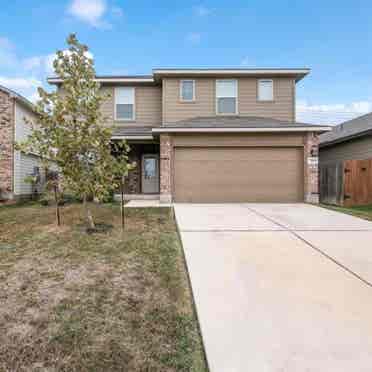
(241, 130)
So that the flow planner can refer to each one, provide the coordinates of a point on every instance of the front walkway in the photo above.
(146, 204)
(280, 287)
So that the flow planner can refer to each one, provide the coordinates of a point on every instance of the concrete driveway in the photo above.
(280, 287)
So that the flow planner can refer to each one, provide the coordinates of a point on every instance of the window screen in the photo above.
(187, 90)
(226, 96)
(124, 101)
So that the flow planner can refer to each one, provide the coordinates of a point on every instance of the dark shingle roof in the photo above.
(235, 122)
(135, 131)
(348, 130)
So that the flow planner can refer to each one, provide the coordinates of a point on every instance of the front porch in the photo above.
(143, 182)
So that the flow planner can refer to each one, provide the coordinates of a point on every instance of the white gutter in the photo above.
(240, 130)
(108, 80)
(132, 137)
(231, 71)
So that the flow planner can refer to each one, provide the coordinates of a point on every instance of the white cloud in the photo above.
(19, 83)
(193, 37)
(201, 11)
(44, 64)
(32, 63)
(90, 11)
(25, 75)
(332, 114)
(33, 97)
(94, 12)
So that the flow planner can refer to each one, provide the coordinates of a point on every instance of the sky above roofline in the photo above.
(333, 38)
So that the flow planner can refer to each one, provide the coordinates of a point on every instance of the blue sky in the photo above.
(333, 38)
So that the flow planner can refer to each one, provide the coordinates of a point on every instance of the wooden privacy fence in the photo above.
(346, 183)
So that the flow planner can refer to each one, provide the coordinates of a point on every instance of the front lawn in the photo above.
(109, 301)
(364, 211)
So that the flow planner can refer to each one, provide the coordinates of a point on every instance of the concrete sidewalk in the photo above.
(267, 298)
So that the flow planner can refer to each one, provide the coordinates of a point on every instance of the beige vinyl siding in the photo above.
(148, 107)
(204, 104)
(360, 148)
(282, 107)
(237, 140)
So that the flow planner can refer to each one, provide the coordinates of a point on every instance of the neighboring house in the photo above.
(349, 140)
(214, 135)
(346, 163)
(15, 166)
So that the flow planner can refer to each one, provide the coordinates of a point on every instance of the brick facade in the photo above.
(166, 151)
(311, 169)
(6, 145)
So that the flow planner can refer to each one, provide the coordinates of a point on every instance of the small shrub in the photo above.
(44, 202)
(109, 198)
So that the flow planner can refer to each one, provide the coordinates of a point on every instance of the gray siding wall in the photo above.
(26, 165)
(354, 149)
(23, 164)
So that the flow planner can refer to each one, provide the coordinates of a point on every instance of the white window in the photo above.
(227, 97)
(265, 90)
(124, 103)
(187, 90)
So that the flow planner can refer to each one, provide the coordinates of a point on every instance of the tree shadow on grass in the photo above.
(100, 228)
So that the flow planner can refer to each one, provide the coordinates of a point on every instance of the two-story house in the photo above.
(214, 135)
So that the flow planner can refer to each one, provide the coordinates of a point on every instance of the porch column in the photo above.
(165, 168)
(311, 167)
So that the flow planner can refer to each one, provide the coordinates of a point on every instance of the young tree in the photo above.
(71, 130)
(121, 168)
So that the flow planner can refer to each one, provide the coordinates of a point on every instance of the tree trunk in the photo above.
(58, 216)
(88, 214)
(122, 204)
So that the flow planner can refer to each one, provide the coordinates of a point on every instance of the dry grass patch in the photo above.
(102, 302)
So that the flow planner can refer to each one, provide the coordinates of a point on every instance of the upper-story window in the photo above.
(187, 90)
(227, 97)
(124, 103)
(265, 90)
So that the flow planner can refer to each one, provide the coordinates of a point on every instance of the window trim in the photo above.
(133, 118)
(193, 91)
(236, 98)
(258, 90)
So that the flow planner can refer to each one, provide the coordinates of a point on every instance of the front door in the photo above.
(150, 174)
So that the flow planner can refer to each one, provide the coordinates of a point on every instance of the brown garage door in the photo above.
(222, 174)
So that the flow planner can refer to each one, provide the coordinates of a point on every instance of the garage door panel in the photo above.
(238, 174)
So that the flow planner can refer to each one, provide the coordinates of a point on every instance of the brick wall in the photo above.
(311, 168)
(6, 145)
(165, 168)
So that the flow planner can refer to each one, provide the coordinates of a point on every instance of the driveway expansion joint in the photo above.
(294, 232)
